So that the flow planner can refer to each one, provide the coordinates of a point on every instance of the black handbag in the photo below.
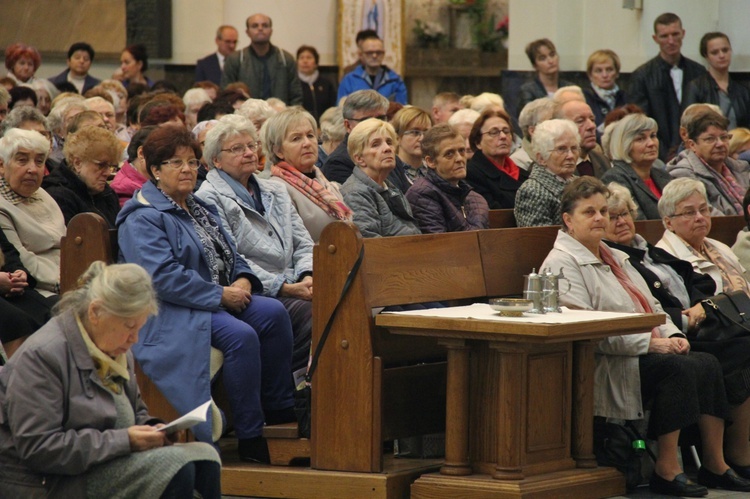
(727, 317)
(303, 394)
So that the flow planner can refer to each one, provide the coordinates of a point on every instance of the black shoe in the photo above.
(680, 486)
(730, 480)
(254, 450)
(281, 416)
(743, 471)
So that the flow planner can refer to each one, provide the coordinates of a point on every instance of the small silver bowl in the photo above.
(511, 307)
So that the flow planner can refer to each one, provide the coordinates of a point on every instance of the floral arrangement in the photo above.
(429, 33)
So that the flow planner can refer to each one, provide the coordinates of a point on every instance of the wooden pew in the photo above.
(371, 386)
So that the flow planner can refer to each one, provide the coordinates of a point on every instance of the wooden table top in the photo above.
(515, 330)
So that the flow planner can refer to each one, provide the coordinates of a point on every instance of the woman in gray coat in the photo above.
(380, 209)
(634, 147)
(261, 218)
(72, 422)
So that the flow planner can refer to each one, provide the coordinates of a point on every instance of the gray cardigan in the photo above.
(56, 417)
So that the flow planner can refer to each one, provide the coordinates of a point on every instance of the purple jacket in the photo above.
(440, 207)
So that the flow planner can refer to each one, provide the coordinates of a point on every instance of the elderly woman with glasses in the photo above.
(380, 209)
(410, 124)
(555, 144)
(655, 368)
(80, 183)
(634, 147)
(491, 171)
(291, 143)
(707, 159)
(259, 214)
(29, 216)
(687, 218)
(209, 297)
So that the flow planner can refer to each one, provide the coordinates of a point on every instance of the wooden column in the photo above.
(510, 417)
(457, 410)
(582, 442)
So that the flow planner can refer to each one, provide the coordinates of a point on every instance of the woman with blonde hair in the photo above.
(410, 124)
(602, 94)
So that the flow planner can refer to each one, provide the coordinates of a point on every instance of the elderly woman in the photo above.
(23, 309)
(22, 61)
(133, 63)
(441, 200)
(707, 159)
(651, 368)
(318, 94)
(634, 147)
(410, 124)
(680, 290)
(463, 120)
(555, 145)
(259, 214)
(546, 62)
(603, 95)
(687, 218)
(332, 133)
(79, 184)
(716, 86)
(62, 437)
(205, 288)
(29, 217)
(535, 112)
(291, 144)
(380, 209)
(133, 173)
(194, 99)
(491, 171)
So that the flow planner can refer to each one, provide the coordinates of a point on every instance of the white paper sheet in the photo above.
(192, 418)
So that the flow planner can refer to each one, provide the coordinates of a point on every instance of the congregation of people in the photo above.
(219, 196)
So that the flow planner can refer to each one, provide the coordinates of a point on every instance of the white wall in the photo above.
(578, 27)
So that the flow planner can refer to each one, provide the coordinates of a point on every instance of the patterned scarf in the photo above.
(112, 371)
(731, 277)
(640, 302)
(608, 96)
(219, 254)
(729, 185)
(11, 195)
(312, 190)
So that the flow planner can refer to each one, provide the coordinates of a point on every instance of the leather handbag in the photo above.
(727, 317)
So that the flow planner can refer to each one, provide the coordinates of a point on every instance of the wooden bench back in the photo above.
(87, 240)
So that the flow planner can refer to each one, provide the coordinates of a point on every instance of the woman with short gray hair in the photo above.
(556, 148)
(260, 216)
(634, 147)
(290, 142)
(60, 437)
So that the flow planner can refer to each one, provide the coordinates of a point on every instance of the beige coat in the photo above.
(672, 243)
(593, 286)
(35, 228)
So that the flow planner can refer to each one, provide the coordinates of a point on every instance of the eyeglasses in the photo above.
(624, 215)
(374, 53)
(565, 150)
(495, 132)
(381, 117)
(712, 139)
(103, 165)
(238, 149)
(416, 133)
(177, 163)
(704, 211)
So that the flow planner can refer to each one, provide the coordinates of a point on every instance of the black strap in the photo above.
(327, 329)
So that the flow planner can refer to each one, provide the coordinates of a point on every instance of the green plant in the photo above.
(429, 33)
(484, 33)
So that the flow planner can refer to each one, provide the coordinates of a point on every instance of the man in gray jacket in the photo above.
(267, 70)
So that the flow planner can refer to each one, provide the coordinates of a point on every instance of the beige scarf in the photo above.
(111, 371)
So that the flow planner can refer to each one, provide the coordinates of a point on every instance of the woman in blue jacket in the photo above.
(206, 294)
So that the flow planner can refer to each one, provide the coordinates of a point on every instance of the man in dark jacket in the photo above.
(80, 57)
(659, 85)
(210, 67)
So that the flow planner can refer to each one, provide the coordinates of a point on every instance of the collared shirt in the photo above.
(221, 60)
(677, 74)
